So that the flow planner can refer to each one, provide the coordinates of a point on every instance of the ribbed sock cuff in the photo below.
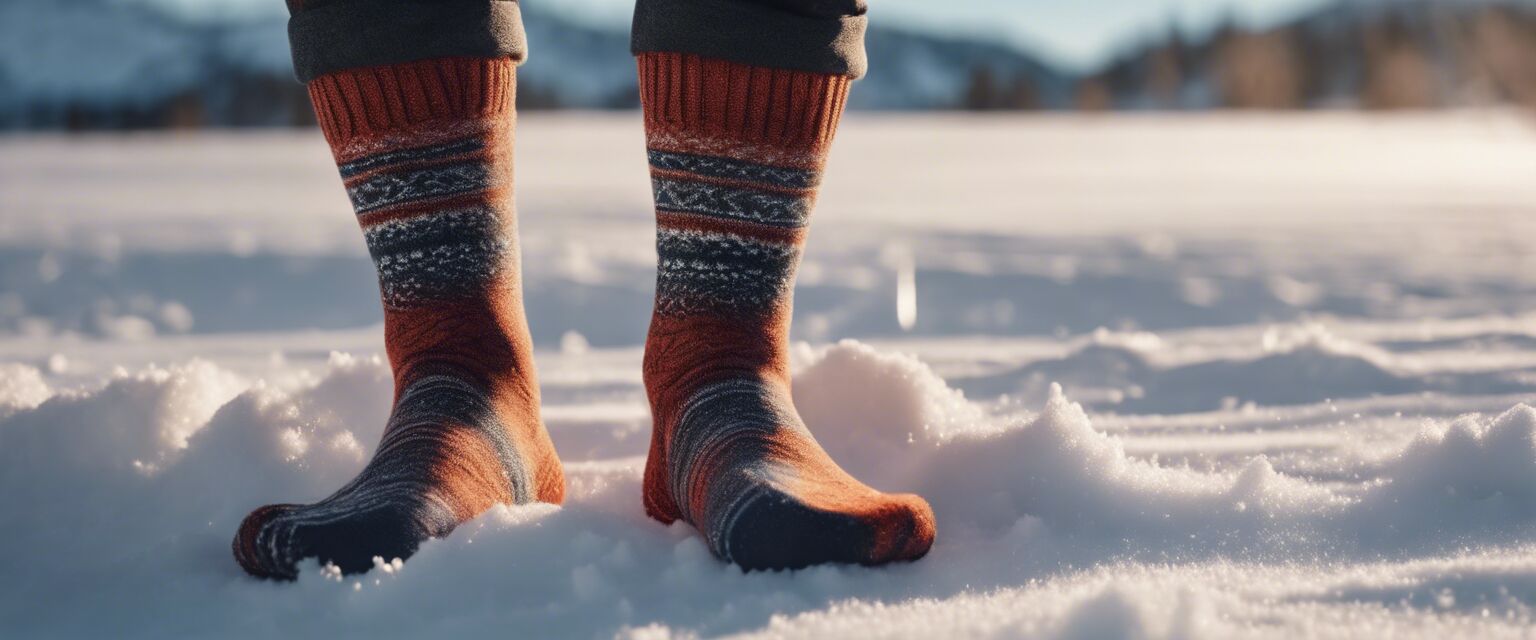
(369, 101)
(689, 95)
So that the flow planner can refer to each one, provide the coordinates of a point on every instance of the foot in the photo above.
(424, 149)
(736, 156)
(448, 454)
(731, 457)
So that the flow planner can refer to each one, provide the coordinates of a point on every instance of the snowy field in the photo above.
(1161, 377)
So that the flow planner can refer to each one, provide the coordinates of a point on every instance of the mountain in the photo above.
(86, 64)
(909, 70)
(100, 64)
(1375, 54)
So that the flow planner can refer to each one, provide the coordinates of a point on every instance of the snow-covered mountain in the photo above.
(115, 64)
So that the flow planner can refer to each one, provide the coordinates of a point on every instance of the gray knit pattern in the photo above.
(426, 252)
(725, 271)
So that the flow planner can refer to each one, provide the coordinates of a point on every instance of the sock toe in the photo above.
(776, 531)
(350, 542)
(254, 557)
(910, 529)
(391, 531)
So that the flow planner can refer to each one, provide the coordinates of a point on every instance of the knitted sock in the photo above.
(425, 151)
(736, 155)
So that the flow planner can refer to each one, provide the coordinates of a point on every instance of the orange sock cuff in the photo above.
(685, 95)
(369, 101)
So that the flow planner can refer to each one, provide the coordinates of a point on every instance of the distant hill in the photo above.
(1363, 54)
(88, 64)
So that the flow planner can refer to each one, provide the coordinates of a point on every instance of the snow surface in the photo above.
(1161, 377)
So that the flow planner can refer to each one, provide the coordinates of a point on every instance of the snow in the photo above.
(1131, 422)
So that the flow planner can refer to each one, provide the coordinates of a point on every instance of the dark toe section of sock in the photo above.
(252, 557)
(779, 532)
(353, 542)
(274, 539)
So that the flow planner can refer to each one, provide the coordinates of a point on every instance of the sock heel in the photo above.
(658, 499)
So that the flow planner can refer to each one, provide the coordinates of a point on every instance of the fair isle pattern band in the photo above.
(731, 203)
(705, 271)
(729, 424)
(726, 231)
(386, 489)
(374, 161)
(390, 189)
(442, 255)
(718, 167)
(403, 176)
(425, 248)
(732, 189)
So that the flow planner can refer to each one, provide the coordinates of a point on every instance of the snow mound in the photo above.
(1473, 458)
(136, 421)
(1474, 475)
(889, 419)
(869, 408)
(21, 387)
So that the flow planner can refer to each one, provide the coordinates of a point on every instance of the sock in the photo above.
(425, 152)
(736, 155)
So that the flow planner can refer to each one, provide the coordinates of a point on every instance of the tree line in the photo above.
(1413, 55)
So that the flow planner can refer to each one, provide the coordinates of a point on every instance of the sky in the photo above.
(1077, 34)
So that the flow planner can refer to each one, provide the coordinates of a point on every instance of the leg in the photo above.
(422, 137)
(738, 127)
(820, 36)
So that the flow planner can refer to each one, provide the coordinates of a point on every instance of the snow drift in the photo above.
(1331, 366)
(134, 488)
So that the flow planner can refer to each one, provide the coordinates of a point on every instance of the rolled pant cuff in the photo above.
(365, 33)
(751, 34)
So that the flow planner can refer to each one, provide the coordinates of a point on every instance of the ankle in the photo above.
(484, 340)
(685, 351)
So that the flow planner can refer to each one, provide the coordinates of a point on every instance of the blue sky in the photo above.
(1077, 33)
